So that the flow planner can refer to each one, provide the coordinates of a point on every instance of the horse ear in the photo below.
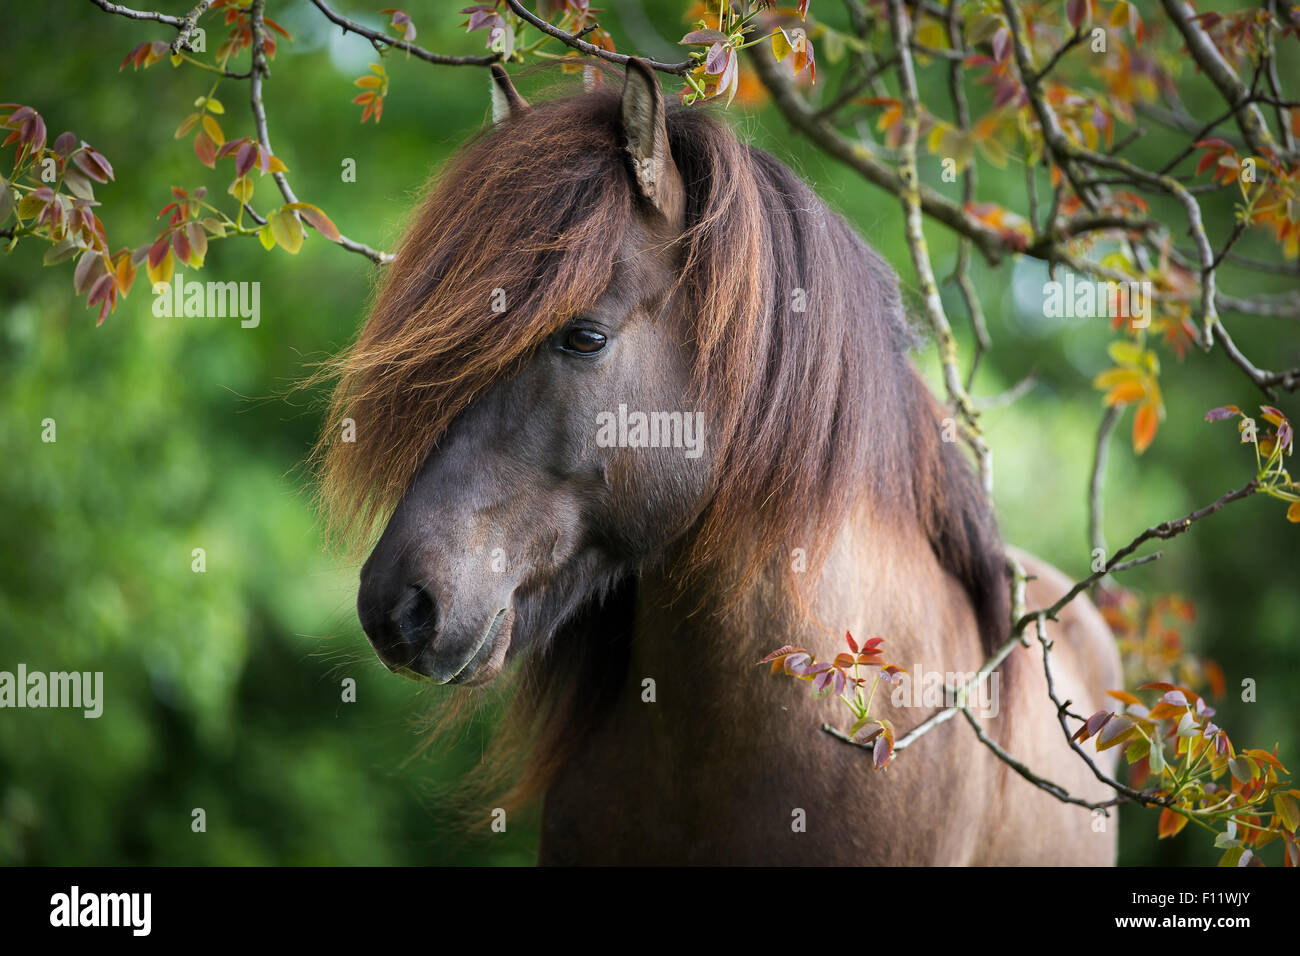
(646, 128)
(506, 101)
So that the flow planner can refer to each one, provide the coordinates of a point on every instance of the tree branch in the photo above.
(568, 39)
(910, 194)
(804, 118)
(1096, 523)
(1207, 56)
(121, 11)
(1164, 531)
(1066, 152)
(1041, 783)
(374, 36)
(259, 73)
(1062, 711)
(188, 24)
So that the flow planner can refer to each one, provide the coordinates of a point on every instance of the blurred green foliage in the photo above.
(223, 689)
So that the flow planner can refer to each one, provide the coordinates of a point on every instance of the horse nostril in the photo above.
(414, 615)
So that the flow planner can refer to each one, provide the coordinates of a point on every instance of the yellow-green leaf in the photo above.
(242, 189)
(286, 229)
(187, 124)
(213, 129)
(934, 142)
(1124, 352)
(163, 271)
(781, 47)
(993, 150)
(314, 215)
(1288, 810)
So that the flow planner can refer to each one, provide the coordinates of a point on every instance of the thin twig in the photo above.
(910, 194)
(969, 186)
(803, 117)
(568, 39)
(1145, 798)
(1041, 783)
(1067, 152)
(130, 14)
(1164, 531)
(1250, 119)
(1096, 516)
(259, 73)
(188, 24)
(374, 36)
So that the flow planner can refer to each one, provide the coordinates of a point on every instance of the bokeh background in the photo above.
(223, 689)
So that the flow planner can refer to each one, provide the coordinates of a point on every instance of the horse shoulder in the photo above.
(1081, 639)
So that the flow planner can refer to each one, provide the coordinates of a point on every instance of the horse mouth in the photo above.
(423, 652)
(488, 657)
(478, 667)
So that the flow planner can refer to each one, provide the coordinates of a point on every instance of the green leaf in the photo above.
(1242, 768)
(60, 252)
(1117, 730)
(286, 229)
(1125, 352)
(187, 124)
(832, 44)
(241, 189)
(1288, 810)
(982, 28)
(30, 205)
(78, 184)
(1157, 759)
(1232, 857)
(198, 243)
(702, 38)
(6, 201)
(994, 151)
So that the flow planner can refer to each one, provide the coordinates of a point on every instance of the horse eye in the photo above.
(582, 341)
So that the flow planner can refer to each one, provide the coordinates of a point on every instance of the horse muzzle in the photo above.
(415, 638)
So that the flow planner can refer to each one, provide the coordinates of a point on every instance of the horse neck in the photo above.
(880, 579)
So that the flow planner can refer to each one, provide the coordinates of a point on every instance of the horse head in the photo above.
(528, 506)
(587, 275)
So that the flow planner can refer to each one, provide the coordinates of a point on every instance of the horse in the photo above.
(584, 275)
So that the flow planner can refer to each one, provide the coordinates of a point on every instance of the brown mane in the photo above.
(811, 412)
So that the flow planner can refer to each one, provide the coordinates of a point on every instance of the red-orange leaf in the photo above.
(1145, 423)
(1170, 823)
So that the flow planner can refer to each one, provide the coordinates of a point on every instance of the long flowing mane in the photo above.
(799, 332)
